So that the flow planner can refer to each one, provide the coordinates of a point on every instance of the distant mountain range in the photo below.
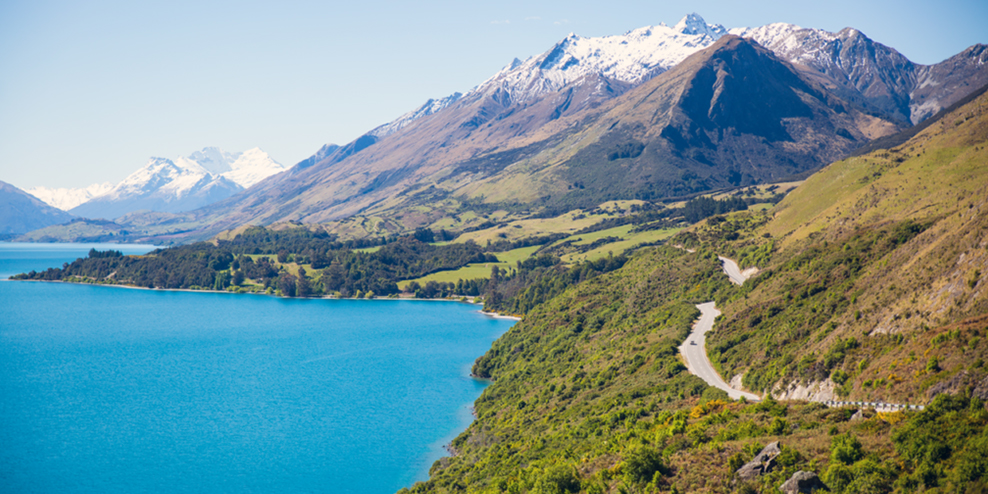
(164, 185)
(657, 113)
(67, 198)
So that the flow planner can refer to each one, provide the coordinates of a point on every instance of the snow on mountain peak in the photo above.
(252, 166)
(788, 41)
(431, 106)
(66, 198)
(631, 57)
(187, 181)
(244, 169)
(694, 24)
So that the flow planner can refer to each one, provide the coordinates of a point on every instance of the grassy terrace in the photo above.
(628, 241)
(480, 270)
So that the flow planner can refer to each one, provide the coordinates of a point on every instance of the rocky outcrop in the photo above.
(981, 390)
(763, 463)
(803, 482)
(814, 391)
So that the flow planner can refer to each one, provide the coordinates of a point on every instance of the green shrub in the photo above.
(778, 427)
(559, 479)
(642, 464)
(838, 477)
(845, 449)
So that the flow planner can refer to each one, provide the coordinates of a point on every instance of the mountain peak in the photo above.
(214, 159)
(695, 25)
(629, 58)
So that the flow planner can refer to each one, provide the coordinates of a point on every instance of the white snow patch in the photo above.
(67, 198)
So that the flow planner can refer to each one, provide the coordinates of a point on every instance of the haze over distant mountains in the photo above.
(658, 112)
(67, 198)
(21, 212)
(165, 185)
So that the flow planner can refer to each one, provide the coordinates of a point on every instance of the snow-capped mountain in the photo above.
(245, 169)
(183, 184)
(863, 71)
(631, 57)
(66, 198)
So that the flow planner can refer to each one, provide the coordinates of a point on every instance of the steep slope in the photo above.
(849, 62)
(629, 58)
(21, 212)
(731, 115)
(939, 86)
(877, 268)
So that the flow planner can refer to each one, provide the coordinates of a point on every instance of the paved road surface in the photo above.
(733, 271)
(696, 355)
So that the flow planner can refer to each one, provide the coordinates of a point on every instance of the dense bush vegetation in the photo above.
(589, 395)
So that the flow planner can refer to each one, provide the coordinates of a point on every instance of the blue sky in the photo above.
(91, 89)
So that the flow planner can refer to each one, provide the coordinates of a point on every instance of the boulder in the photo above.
(803, 482)
(763, 463)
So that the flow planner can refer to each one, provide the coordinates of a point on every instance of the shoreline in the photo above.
(498, 315)
(470, 300)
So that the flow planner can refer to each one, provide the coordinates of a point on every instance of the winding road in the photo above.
(733, 271)
(694, 351)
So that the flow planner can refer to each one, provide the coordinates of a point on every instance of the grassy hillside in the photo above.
(872, 286)
(589, 395)
(887, 250)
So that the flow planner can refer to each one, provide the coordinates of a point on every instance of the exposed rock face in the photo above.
(814, 391)
(736, 382)
(803, 482)
(763, 463)
(981, 391)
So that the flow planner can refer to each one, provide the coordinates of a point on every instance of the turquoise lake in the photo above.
(107, 389)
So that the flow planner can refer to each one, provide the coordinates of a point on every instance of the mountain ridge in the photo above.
(444, 145)
(443, 154)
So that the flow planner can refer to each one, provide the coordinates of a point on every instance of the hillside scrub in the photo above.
(871, 279)
(589, 395)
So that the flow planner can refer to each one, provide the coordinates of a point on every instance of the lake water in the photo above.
(106, 389)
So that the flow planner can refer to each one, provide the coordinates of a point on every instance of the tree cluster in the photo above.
(261, 257)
